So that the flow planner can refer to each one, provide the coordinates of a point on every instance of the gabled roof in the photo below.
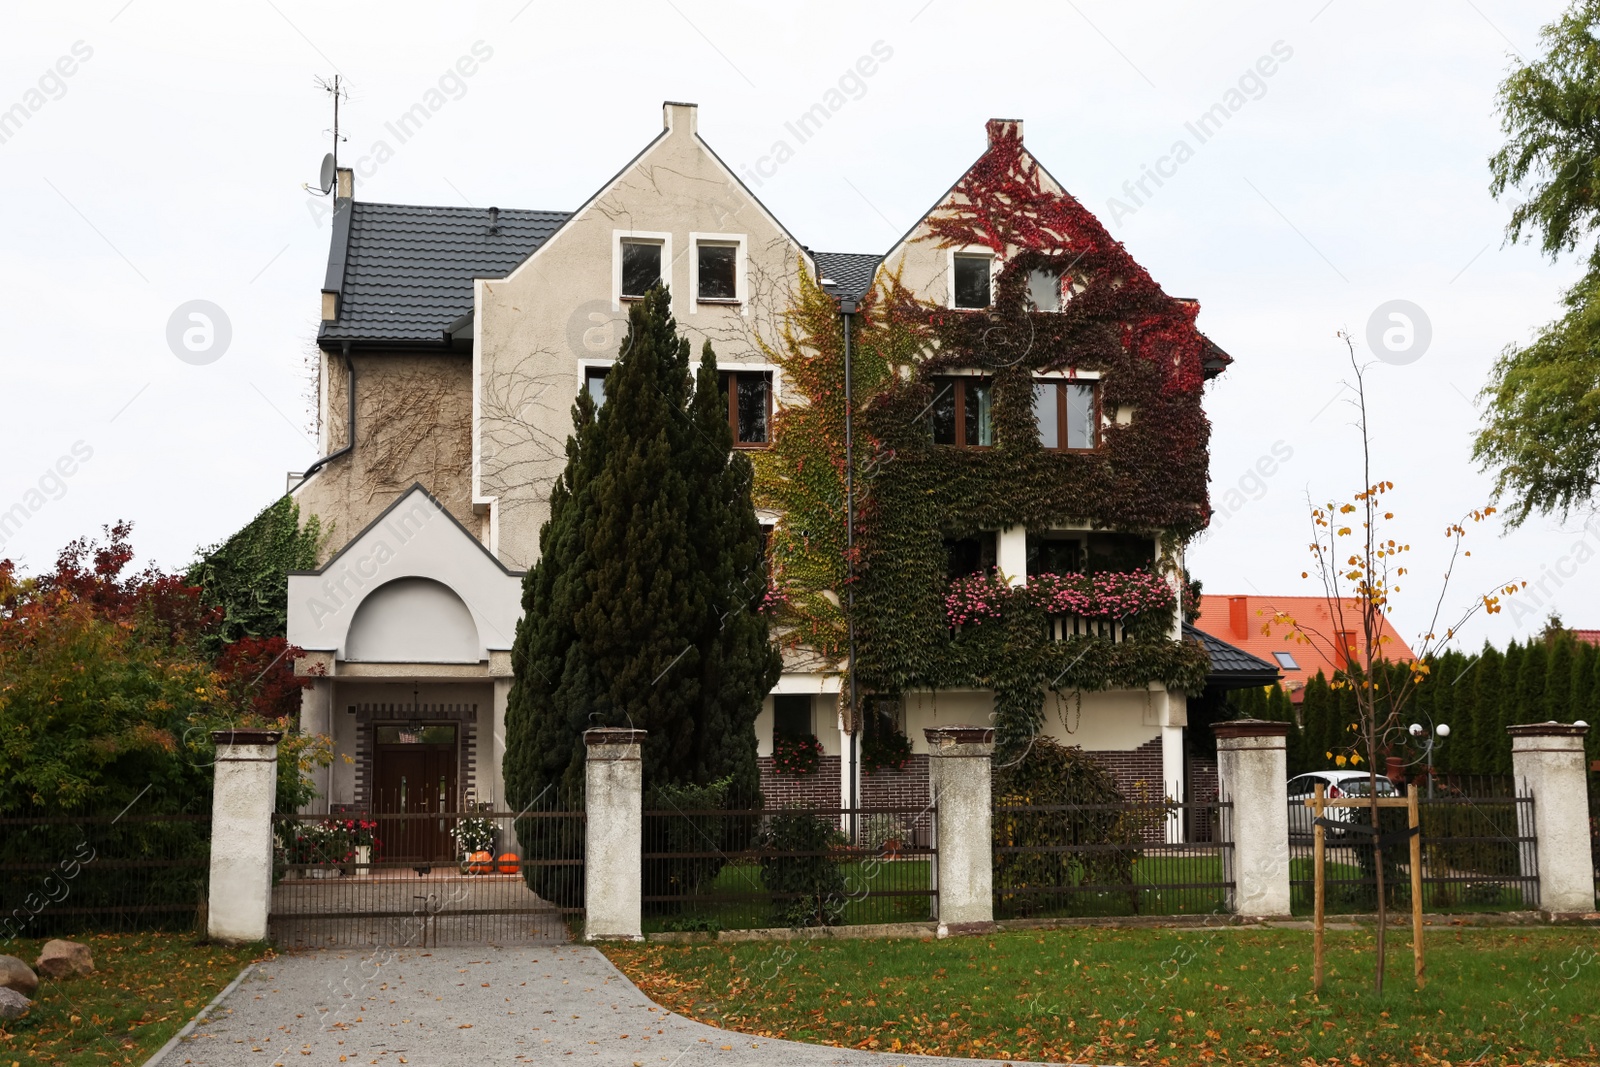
(851, 272)
(1231, 667)
(404, 272)
(1241, 618)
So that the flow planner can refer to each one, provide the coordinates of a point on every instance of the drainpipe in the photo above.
(847, 310)
(350, 435)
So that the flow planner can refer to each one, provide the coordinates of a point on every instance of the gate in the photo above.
(501, 877)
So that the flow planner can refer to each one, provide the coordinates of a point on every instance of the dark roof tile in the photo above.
(408, 269)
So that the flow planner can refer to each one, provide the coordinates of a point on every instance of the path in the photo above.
(475, 1005)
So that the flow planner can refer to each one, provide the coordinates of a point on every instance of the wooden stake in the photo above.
(1317, 856)
(1414, 820)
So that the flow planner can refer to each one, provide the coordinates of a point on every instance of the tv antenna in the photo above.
(330, 163)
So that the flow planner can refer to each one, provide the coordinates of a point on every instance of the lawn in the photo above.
(737, 898)
(145, 987)
(1495, 996)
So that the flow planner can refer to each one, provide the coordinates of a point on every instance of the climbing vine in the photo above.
(1147, 476)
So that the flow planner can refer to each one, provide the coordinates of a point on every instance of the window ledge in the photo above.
(717, 300)
(752, 446)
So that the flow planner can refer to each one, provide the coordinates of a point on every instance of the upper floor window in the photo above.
(594, 383)
(717, 270)
(641, 267)
(1068, 414)
(749, 396)
(962, 412)
(971, 555)
(1054, 553)
(1044, 290)
(971, 282)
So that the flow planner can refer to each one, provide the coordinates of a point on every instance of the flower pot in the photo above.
(363, 857)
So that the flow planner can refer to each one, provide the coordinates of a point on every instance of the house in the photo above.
(452, 344)
(1247, 621)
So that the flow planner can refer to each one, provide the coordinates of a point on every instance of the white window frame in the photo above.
(950, 272)
(653, 236)
(587, 365)
(740, 270)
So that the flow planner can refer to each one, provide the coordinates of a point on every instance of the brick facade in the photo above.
(1137, 771)
(819, 789)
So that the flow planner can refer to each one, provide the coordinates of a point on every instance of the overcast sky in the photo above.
(167, 167)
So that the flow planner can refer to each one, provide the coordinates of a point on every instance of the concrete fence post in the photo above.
(959, 769)
(614, 840)
(1252, 769)
(1549, 758)
(243, 792)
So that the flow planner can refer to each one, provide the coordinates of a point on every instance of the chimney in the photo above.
(344, 183)
(1239, 616)
(677, 116)
(1000, 128)
(494, 220)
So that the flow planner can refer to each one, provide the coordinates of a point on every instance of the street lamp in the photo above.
(1428, 741)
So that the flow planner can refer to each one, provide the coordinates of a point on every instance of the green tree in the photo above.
(644, 608)
(1487, 697)
(246, 577)
(1539, 426)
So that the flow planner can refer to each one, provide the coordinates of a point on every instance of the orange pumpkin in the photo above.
(480, 863)
(509, 863)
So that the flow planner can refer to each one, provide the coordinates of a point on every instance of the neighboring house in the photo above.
(456, 339)
(1247, 621)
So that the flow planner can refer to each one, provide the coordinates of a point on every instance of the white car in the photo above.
(1339, 784)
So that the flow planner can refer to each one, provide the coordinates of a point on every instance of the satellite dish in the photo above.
(327, 173)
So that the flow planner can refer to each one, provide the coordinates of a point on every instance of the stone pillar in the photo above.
(614, 841)
(958, 780)
(1252, 767)
(1548, 757)
(316, 717)
(243, 791)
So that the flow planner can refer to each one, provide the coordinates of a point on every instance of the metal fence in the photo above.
(743, 865)
(1478, 853)
(104, 874)
(1594, 826)
(1060, 860)
(428, 878)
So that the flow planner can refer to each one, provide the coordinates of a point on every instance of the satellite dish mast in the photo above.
(329, 176)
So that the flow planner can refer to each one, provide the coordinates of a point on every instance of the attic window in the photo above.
(1286, 661)
(1044, 290)
(971, 282)
(641, 267)
(718, 271)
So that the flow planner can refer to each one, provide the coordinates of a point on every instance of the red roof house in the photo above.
(1239, 620)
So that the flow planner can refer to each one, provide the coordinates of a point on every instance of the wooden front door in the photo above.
(416, 778)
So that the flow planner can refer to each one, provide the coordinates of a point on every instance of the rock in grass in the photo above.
(13, 1005)
(65, 959)
(17, 976)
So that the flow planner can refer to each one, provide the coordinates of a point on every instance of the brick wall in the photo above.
(890, 788)
(819, 789)
(1203, 784)
(1137, 771)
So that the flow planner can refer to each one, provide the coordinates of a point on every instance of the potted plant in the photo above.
(362, 833)
(473, 834)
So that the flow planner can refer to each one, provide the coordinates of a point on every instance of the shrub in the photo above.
(805, 878)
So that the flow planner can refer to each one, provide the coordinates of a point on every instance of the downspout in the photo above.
(847, 309)
(350, 424)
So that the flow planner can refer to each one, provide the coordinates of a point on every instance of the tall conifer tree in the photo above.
(644, 608)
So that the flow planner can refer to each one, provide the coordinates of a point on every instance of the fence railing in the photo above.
(427, 878)
(1478, 854)
(751, 867)
(1062, 860)
(103, 874)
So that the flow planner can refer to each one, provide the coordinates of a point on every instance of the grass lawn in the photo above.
(145, 987)
(1495, 996)
(737, 898)
(1159, 871)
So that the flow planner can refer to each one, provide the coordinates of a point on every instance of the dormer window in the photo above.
(970, 283)
(641, 267)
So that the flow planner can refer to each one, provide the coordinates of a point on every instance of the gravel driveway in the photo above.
(475, 1005)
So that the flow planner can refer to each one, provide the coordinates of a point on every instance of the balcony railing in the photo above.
(1066, 627)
